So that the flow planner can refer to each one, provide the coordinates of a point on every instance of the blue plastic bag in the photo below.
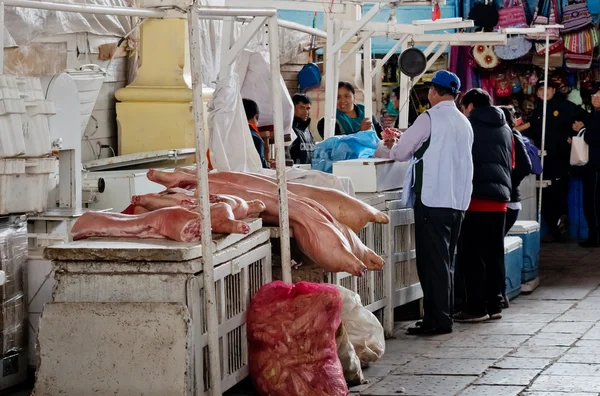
(532, 151)
(344, 147)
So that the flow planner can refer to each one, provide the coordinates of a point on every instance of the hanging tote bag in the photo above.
(512, 14)
(576, 16)
(484, 57)
(515, 48)
(582, 41)
(484, 14)
(546, 14)
(579, 150)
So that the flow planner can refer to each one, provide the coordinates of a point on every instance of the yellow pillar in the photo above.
(154, 112)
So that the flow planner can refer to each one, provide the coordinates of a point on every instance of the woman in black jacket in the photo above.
(522, 169)
(591, 178)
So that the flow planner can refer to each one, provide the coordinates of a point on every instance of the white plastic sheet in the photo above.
(315, 178)
(254, 71)
(231, 145)
(364, 330)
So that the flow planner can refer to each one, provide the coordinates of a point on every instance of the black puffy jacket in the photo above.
(492, 154)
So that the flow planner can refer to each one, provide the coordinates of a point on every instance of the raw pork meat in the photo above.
(347, 210)
(241, 209)
(174, 223)
(291, 340)
(315, 234)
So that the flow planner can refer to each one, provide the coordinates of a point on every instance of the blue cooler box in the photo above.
(529, 232)
(513, 264)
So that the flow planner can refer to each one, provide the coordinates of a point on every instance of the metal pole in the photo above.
(367, 79)
(330, 89)
(87, 8)
(284, 221)
(391, 52)
(545, 106)
(301, 28)
(204, 208)
(232, 12)
(2, 38)
(356, 47)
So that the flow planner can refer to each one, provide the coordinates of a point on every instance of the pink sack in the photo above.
(292, 349)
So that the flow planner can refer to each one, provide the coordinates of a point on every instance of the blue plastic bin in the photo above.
(529, 232)
(513, 264)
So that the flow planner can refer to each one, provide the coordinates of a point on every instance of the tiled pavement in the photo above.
(547, 343)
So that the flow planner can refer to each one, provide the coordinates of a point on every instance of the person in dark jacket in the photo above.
(591, 179)
(522, 169)
(560, 116)
(481, 243)
(350, 117)
(252, 113)
(303, 147)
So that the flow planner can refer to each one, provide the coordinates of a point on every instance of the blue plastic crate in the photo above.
(513, 264)
(529, 232)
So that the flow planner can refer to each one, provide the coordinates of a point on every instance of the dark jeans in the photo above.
(554, 204)
(436, 236)
(481, 255)
(511, 218)
(591, 200)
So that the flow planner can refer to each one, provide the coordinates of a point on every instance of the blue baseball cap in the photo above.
(447, 79)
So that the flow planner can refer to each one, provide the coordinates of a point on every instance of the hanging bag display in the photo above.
(484, 14)
(578, 61)
(581, 42)
(516, 47)
(555, 60)
(556, 46)
(546, 14)
(484, 57)
(576, 16)
(579, 150)
(512, 14)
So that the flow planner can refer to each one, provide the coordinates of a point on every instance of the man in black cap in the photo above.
(560, 115)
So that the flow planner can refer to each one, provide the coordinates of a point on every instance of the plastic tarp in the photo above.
(231, 145)
(24, 25)
(315, 178)
(254, 70)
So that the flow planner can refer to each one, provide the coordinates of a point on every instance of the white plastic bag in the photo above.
(364, 330)
(350, 362)
(579, 150)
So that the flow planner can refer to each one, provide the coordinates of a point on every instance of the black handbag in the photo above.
(484, 14)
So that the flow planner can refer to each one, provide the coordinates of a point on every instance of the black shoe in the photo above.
(427, 330)
(589, 244)
(505, 302)
(465, 317)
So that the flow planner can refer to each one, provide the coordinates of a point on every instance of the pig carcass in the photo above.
(174, 223)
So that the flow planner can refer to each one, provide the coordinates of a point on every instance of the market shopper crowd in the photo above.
(467, 162)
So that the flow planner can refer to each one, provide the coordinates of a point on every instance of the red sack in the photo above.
(291, 340)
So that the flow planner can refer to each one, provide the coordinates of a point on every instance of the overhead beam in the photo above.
(354, 27)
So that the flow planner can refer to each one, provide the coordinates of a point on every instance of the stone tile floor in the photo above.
(547, 343)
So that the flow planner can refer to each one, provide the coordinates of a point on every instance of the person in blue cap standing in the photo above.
(438, 185)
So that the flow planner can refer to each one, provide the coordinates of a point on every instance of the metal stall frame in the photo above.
(194, 13)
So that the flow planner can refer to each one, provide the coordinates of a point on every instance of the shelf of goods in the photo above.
(104, 314)
(380, 291)
(13, 259)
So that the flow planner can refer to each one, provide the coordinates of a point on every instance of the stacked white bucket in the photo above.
(25, 147)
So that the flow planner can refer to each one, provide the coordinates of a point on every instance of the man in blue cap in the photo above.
(438, 185)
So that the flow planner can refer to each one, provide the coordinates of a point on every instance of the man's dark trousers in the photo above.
(436, 236)
(481, 256)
